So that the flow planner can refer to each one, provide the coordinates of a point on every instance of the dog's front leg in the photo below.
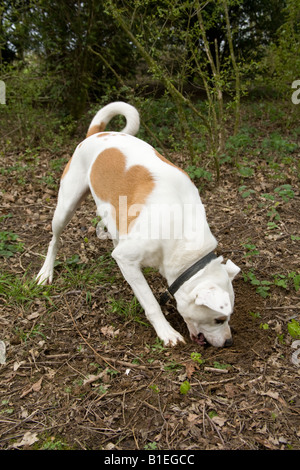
(133, 275)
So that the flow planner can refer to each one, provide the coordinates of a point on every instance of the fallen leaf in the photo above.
(17, 365)
(219, 420)
(28, 439)
(192, 417)
(33, 315)
(109, 331)
(36, 387)
(190, 369)
(271, 394)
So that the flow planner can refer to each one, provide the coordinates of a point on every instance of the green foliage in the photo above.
(22, 290)
(281, 64)
(60, 59)
(80, 275)
(10, 244)
(151, 446)
(263, 287)
(294, 328)
(130, 310)
(198, 173)
(218, 365)
(185, 387)
(197, 357)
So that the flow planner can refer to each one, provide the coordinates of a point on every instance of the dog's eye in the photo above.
(220, 321)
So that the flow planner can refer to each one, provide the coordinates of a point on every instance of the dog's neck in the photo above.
(183, 256)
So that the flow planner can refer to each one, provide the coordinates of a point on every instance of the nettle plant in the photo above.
(289, 281)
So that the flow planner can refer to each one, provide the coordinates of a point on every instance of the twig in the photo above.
(214, 369)
(215, 428)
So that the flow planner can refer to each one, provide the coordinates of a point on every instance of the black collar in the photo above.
(185, 276)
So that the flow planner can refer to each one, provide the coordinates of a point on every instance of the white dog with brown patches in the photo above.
(155, 217)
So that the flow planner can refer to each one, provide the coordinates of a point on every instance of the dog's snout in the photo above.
(228, 343)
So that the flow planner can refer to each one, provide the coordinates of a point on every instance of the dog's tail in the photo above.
(105, 115)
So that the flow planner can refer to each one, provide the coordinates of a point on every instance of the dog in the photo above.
(154, 215)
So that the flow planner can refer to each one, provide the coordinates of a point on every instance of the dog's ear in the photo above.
(232, 269)
(215, 298)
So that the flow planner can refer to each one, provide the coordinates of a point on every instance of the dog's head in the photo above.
(206, 303)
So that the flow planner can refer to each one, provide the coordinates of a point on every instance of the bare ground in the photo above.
(80, 375)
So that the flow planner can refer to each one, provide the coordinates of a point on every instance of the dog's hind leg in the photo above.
(73, 190)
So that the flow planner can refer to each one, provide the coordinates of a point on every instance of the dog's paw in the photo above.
(171, 337)
(44, 277)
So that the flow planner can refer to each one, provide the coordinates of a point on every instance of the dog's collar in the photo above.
(185, 276)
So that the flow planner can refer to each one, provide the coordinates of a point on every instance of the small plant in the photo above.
(296, 279)
(151, 446)
(154, 388)
(10, 244)
(278, 143)
(173, 366)
(185, 387)
(285, 281)
(245, 192)
(52, 443)
(245, 171)
(294, 328)
(262, 287)
(237, 144)
(196, 172)
(273, 213)
(279, 280)
(212, 414)
(218, 365)
(251, 249)
(255, 315)
(197, 357)
(158, 346)
(285, 192)
(112, 372)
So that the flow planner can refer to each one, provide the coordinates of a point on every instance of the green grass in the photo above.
(22, 290)
(72, 274)
(77, 275)
(129, 310)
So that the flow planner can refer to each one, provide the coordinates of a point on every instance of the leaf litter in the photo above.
(113, 386)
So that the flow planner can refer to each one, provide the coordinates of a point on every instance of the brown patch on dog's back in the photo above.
(110, 179)
(103, 134)
(95, 129)
(164, 159)
(66, 169)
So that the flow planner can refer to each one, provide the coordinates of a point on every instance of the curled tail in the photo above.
(105, 115)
